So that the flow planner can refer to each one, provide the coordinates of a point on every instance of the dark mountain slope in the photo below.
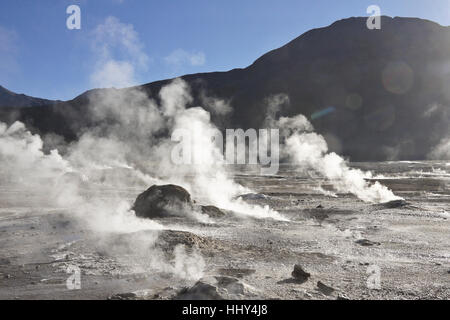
(11, 99)
(374, 94)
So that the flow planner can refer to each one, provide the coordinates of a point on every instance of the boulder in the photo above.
(212, 211)
(217, 288)
(170, 200)
(162, 201)
(200, 291)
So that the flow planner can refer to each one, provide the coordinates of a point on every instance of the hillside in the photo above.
(374, 94)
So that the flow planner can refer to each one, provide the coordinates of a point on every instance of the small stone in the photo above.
(326, 290)
(300, 274)
(124, 296)
(367, 243)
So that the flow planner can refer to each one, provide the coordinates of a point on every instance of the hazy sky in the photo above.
(125, 42)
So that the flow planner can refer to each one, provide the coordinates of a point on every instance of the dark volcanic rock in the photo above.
(367, 243)
(217, 288)
(170, 200)
(200, 291)
(299, 274)
(212, 211)
(326, 290)
(163, 201)
(395, 204)
(123, 296)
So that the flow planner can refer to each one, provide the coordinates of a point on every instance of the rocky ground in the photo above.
(341, 246)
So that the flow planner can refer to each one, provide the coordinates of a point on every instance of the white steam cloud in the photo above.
(131, 147)
(309, 151)
(120, 54)
(441, 151)
(22, 157)
(180, 57)
(134, 121)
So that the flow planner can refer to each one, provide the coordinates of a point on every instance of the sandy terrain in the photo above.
(339, 241)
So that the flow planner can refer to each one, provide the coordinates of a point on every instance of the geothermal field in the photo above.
(222, 150)
(126, 212)
(344, 248)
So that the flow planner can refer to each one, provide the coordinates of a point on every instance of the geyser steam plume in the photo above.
(309, 150)
(140, 140)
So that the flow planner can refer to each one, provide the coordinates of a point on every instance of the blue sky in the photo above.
(125, 42)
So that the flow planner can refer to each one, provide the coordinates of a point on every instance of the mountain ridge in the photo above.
(380, 86)
(9, 98)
